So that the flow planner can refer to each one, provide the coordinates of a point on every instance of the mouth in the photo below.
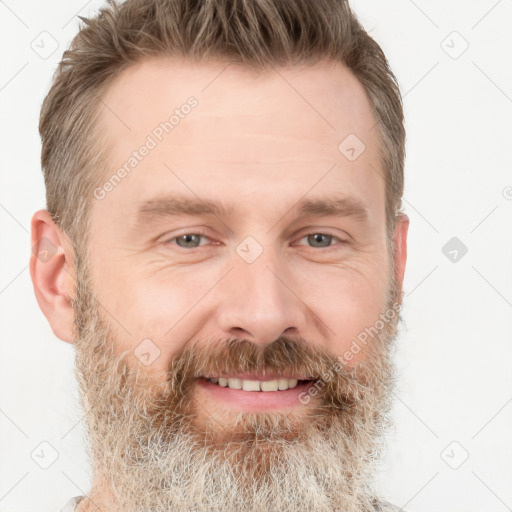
(253, 394)
(258, 384)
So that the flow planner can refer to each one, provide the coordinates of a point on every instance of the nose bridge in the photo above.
(259, 299)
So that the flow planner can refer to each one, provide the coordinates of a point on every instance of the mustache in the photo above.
(285, 355)
(338, 386)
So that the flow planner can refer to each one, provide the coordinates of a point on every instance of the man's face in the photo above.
(263, 291)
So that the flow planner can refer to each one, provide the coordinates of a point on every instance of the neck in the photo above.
(98, 500)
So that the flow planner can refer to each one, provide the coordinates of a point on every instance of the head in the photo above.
(269, 137)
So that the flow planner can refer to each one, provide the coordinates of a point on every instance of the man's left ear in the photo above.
(51, 270)
(400, 247)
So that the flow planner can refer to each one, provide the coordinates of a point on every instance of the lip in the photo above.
(254, 400)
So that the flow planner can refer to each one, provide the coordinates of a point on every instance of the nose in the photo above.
(261, 301)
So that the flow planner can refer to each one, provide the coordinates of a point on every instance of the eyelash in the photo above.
(202, 234)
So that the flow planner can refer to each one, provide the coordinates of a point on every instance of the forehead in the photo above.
(250, 133)
(327, 95)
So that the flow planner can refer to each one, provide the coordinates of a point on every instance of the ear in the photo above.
(52, 273)
(400, 248)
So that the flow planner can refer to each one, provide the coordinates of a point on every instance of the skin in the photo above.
(260, 142)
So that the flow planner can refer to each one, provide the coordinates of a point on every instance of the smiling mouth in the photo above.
(257, 385)
(258, 393)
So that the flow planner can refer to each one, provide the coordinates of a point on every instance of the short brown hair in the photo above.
(256, 33)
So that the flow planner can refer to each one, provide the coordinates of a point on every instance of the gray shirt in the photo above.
(70, 506)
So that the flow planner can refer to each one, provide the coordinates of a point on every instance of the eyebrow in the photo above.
(175, 206)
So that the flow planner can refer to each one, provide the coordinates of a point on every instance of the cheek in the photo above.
(349, 305)
(168, 307)
(148, 316)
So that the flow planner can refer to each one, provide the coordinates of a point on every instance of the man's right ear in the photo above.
(51, 270)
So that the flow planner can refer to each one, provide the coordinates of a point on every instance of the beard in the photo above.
(154, 447)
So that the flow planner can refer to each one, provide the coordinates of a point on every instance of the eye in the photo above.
(322, 240)
(187, 240)
(192, 240)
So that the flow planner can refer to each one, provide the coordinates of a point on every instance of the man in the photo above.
(252, 370)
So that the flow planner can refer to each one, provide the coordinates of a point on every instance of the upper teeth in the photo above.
(255, 385)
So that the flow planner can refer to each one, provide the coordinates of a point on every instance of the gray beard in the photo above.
(153, 450)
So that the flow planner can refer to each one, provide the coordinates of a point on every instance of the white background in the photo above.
(454, 398)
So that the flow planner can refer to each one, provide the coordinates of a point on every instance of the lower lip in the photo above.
(255, 400)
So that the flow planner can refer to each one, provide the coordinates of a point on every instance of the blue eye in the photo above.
(189, 240)
(318, 239)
